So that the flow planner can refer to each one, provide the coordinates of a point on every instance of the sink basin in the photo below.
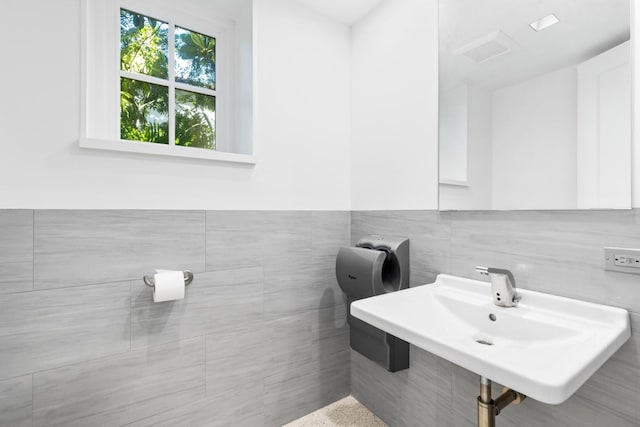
(545, 348)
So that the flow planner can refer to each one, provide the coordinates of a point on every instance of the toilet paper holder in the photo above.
(188, 278)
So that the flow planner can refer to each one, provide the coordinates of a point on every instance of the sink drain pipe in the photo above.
(488, 408)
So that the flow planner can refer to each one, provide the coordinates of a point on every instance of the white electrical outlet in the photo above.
(624, 260)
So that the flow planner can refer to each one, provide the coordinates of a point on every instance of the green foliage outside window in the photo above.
(144, 45)
(144, 111)
(195, 120)
(195, 58)
(144, 107)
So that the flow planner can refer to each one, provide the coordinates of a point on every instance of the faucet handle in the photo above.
(482, 270)
(486, 271)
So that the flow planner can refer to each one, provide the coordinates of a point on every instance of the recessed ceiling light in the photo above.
(545, 22)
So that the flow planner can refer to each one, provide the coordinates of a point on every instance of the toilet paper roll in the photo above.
(359, 271)
(169, 285)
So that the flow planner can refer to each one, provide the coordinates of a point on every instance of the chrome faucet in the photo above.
(503, 286)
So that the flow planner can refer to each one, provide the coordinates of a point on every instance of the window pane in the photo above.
(143, 44)
(195, 120)
(195, 58)
(144, 111)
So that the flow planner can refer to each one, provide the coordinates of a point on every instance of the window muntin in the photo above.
(167, 83)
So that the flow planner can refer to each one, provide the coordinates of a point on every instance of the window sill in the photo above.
(454, 182)
(166, 150)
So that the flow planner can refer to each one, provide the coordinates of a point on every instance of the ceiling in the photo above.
(586, 28)
(345, 11)
(225, 9)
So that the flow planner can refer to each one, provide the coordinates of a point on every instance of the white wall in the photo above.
(302, 110)
(534, 143)
(476, 195)
(302, 122)
(453, 134)
(394, 150)
(301, 128)
(604, 130)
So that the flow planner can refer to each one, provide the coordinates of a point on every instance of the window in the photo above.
(167, 83)
(160, 80)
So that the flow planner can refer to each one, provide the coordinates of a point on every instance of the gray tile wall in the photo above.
(260, 338)
(557, 252)
(16, 251)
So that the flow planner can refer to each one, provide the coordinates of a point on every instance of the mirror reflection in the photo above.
(535, 104)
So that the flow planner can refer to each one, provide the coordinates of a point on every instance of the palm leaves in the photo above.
(195, 120)
(143, 45)
(195, 58)
(144, 111)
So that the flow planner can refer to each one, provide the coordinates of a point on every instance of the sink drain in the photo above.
(484, 342)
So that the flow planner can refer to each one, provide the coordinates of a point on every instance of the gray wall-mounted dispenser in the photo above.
(376, 265)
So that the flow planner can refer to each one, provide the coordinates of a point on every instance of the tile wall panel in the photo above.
(329, 336)
(481, 238)
(426, 393)
(87, 247)
(16, 251)
(243, 239)
(289, 399)
(330, 231)
(245, 410)
(116, 390)
(235, 239)
(271, 277)
(557, 252)
(16, 402)
(45, 329)
(288, 348)
(264, 316)
(297, 396)
(215, 302)
(234, 361)
(377, 389)
(288, 290)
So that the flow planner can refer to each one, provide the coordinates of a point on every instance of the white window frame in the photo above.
(100, 121)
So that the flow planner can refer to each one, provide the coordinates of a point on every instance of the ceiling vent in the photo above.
(487, 47)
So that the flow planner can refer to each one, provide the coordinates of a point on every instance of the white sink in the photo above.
(545, 348)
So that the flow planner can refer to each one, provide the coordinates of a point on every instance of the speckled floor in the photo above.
(347, 412)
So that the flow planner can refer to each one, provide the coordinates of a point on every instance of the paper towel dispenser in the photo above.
(377, 265)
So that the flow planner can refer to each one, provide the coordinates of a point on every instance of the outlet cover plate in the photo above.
(623, 260)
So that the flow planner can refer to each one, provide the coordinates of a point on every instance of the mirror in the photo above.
(535, 104)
